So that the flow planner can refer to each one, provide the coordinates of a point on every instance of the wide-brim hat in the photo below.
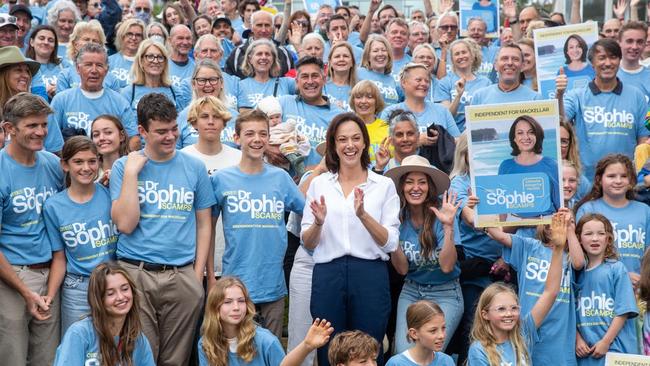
(11, 55)
(417, 163)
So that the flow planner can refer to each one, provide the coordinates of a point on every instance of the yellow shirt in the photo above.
(378, 131)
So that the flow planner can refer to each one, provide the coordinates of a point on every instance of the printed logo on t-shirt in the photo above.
(176, 80)
(315, 133)
(231, 101)
(167, 197)
(388, 92)
(537, 270)
(629, 238)
(121, 74)
(78, 120)
(29, 198)
(93, 359)
(254, 98)
(413, 254)
(598, 305)
(485, 68)
(98, 235)
(464, 99)
(259, 208)
(48, 80)
(610, 119)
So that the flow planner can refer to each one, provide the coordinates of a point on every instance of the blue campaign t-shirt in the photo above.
(638, 78)
(269, 351)
(252, 207)
(230, 89)
(120, 66)
(69, 78)
(405, 359)
(311, 120)
(388, 87)
(446, 90)
(85, 230)
(578, 78)
(338, 95)
(134, 94)
(398, 65)
(169, 193)
(545, 165)
(605, 292)
(432, 113)
(179, 72)
(23, 191)
(631, 227)
(252, 91)
(76, 108)
(477, 355)
(47, 74)
(80, 346)
(426, 271)
(494, 95)
(606, 122)
(489, 54)
(532, 260)
(189, 135)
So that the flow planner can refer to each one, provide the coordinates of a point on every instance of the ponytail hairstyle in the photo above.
(482, 330)
(111, 353)
(74, 145)
(419, 313)
(597, 188)
(215, 343)
(610, 250)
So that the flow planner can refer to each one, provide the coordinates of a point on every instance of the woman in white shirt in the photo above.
(351, 224)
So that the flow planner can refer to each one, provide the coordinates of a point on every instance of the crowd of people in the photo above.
(193, 186)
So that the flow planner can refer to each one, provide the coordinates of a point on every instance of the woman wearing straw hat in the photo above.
(427, 243)
(16, 73)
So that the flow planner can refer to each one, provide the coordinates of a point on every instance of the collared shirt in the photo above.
(342, 232)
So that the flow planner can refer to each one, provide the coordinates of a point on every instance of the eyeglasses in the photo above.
(140, 9)
(133, 35)
(211, 81)
(448, 28)
(502, 310)
(154, 58)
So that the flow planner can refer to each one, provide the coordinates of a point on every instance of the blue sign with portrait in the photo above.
(523, 194)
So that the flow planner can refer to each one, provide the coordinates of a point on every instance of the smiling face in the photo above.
(253, 137)
(476, 30)
(233, 308)
(312, 47)
(605, 65)
(502, 313)
(43, 44)
(155, 67)
(574, 50)
(426, 57)
(341, 60)
(181, 40)
(82, 168)
(118, 297)
(202, 26)
(160, 138)
(29, 133)
(261, 58)
(615, 181)
(594, 238)
(415, 189)
(461, 57)
(364, 104)
(349, 144)
(212, 83)
(632, 43)
(106, 136)
(405, 138)
(416, 83)
(309, 82)
(378, 56)
(18, 78)
(24, 24)
(432, 334)
(509, 63)
(397, 36)
(525, 137)
(132, 38)
(570, 182)
(65, 24)
(528, 65)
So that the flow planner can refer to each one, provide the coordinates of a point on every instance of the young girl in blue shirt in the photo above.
(426, 328)
(612, 195)
(606, 302)
(231, 337)
(500, 334)
(112, 334)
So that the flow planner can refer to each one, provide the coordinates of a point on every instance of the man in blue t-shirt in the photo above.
(77, 107)
(338, 30)
(180, 64)
(253, 197)
(29, 320)
(397, 33)
(632, 39)
(311, 111)
(608, 114)
(161, 206)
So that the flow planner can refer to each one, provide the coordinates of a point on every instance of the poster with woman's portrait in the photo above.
(488, 10)
(564, 48)
(514, 151)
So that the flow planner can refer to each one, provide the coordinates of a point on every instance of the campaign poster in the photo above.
(312, 6)
(514, 152)
(622, 359)
(564, 48)
(486, 9)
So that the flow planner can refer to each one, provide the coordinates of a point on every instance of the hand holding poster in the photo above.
(513, 157)
(488, 10)
(564, 47)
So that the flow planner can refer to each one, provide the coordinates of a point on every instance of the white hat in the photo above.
(417, 163)
(270, 106)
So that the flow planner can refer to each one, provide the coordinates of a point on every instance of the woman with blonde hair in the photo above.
(231, 337)
(341, 74)
(528, 69)
(129, 35)
(150, 74)
(366, 101)
(83, 33)
(377, 66)
(425, 54)
(262, 69)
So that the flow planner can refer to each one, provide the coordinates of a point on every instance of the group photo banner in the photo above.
(486, 9)
(514, 152)
(564, 48)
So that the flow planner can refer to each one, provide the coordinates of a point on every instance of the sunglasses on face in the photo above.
(140, 9)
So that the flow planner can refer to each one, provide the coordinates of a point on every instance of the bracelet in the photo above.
(317, 224)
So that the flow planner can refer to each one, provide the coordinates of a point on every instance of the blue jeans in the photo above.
(74, 300)
(447, 295)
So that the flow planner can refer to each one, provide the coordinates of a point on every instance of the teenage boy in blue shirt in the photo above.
(161, 206)
(253, 198)
(30, 272)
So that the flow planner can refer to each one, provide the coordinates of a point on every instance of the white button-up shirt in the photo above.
(342, 232)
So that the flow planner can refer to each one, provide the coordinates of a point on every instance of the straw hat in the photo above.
(417, 163)
(11, 55)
